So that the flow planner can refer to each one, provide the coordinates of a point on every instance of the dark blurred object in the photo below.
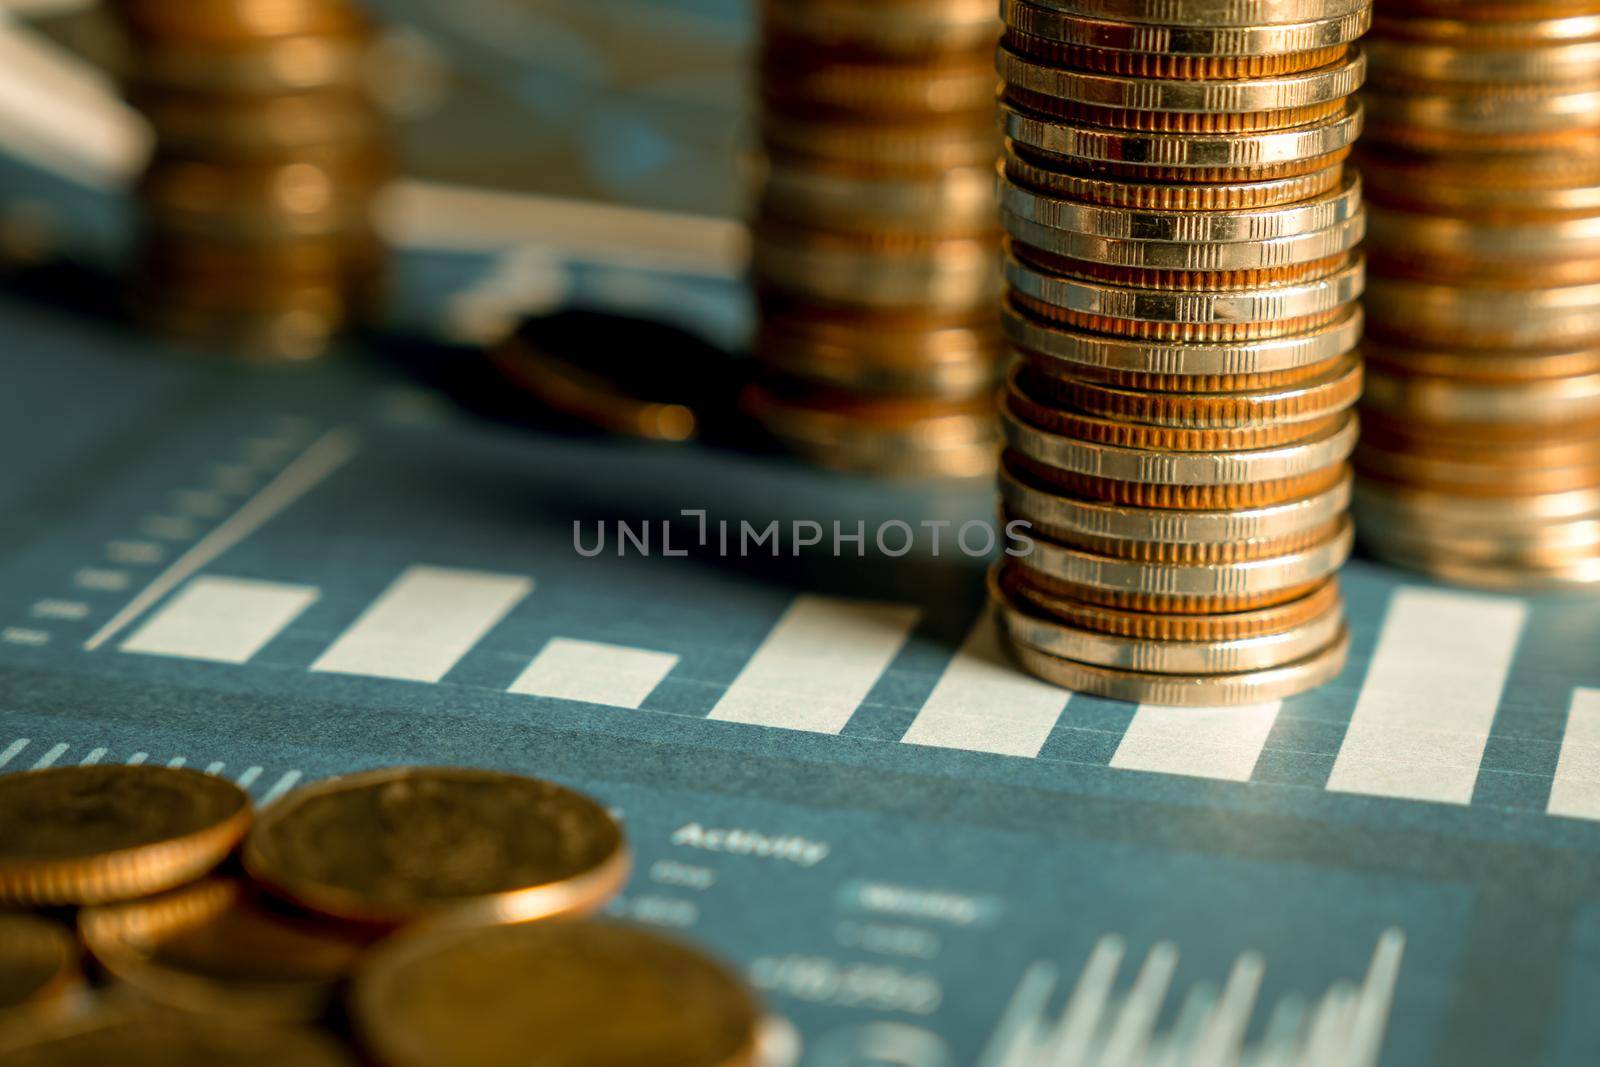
(589, 371)
(256, 230)
(1480, 451)
(876, 235)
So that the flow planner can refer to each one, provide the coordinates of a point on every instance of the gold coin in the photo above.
(1448, 399)
(1147, 467)
(1022, 170)
(879, 355)
(368, 847)
(879, 147)
(1484, 27)
(260, 126)
(1431, 242)
(254, 65)
(220, 948)
(1245, 154)
(1283, 92)
(225, 22)
(128, 1038)
(1136, 121)
(1400, 63)
(1486, 366)
(1518, 512)
(939, 274)
(1164, 657)
(1134, 435)
(274, 200)
(1185, 497)
(1581, 573)
(1218, 314)
(797, 78)
(86, 835)
(957, 200)
(1139, 64)
(1155, 626)
(891, 28)
(1208, 12)
(38, 964)
(1189, 587)
(1066, 353)
(1240, 531)
(1205, 690)
(1210, 50)
(571, 994)
(896, 436)
(1311, 400)
(1423, 314)
(1453, 121)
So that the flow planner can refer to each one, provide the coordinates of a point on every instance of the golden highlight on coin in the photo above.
(88, 835)
(361, 847)
(578, 993)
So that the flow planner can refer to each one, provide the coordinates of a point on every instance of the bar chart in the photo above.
(1418, 731)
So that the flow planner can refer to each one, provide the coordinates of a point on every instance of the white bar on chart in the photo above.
(984, 703)
(426, 620)
(1576, 790)
(1221, 743)
(1427, 704)
(9, 753)
(593, 672)
(49, 758)
(223, 620)
(818, 664)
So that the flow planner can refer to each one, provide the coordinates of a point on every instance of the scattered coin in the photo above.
(38, 963)
(219, 947)
(566, 994)
(392, 846)
(133, 1038)
(87, 835)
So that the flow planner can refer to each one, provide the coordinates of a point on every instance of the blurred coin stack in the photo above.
(1480, 460)
(875, 235)
(1181, 291)
(255, 208)
(403, 917)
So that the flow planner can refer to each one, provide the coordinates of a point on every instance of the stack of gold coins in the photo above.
(1481, 456)
(255, 209)
(1182, 278)
(223, 937)
(875, 238)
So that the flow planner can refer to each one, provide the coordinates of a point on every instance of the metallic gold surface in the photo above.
(133, 1038)
(568, 994)
(38, 964)
(86, 835)
(365, 847)
(217, 947)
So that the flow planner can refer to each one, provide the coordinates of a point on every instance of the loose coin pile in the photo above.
(255, 233)
(210, 935)
(875, 236)
(1480, 460)
(1181, 282)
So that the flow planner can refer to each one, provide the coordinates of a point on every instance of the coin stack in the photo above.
(428, 892)
(255, 208)
(1181, 291)
(875, 236)
(1480, 461)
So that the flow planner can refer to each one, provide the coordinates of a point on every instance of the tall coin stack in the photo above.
(875, 237)
(1481, 457)
(1181, 290)
(255, 227)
